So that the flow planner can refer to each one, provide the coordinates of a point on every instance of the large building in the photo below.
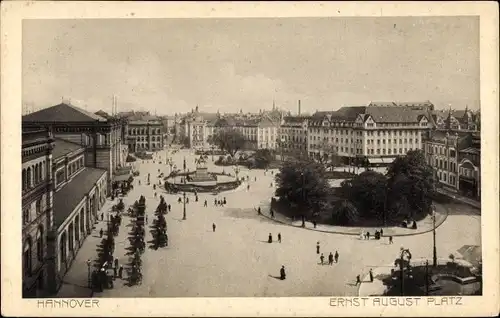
(455, 158)
(37, 207)
(292, 138)
(145, 135)
(61, 198)
(379, 132)
(103, 139)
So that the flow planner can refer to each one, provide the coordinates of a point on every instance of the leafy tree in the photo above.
(410, 185)
(328, 155)
(228, 139)
(345, 213)
(263, 157)
(304, 184)
(367, 191)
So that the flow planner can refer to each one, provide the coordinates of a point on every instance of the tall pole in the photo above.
(303, 200)
(434, 251)
(401, 269)
(184, 206)
(427, 278)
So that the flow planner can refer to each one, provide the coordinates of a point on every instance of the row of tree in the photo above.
(404, 192)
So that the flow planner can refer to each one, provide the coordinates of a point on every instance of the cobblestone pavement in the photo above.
(236, 259)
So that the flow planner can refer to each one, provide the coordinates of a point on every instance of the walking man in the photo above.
(215, 201)
(317, 248)
(282, 273)
(279, 237)
(270, 239)
(120, 272)
(336, 256)
(371, 275)
(169, 208)
(358, 280)
(330, 259)
(259, 211)
(205, 204)
(390, 239)
(272, 213)
(322, 259)
(213, 227)
(368, 235)
(101, 232)
(314, 223)
(381, 232)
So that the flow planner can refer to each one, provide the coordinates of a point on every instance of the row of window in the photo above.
(40, 206)
(405, 140)
(34, 175)
(153, 138)
(143, 131)
(441, 150)
(33, 150)
(145, 145)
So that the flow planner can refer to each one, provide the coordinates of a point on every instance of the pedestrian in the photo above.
(371, 275)
(224, 202)
(358, 280)
(139, 182)
(279, 237)
(381, 232)
(101, 232)
(146, 219)
(115, 272)
(282, 273)
(187, 200)
(205, 204)
(272, 213)
(179, 200)
(270, 239)
(317, 248)
(248, 187)
(215, 201)
(116, 263)
(314, 223)
(169, 208)
(390, 240)
(255, 179)
(368, 235)
(196, 199)
(336, 256)
(120, 271)
(213, 227)
(259, 211)
(322, 259)
(271, 185)
(155, 194)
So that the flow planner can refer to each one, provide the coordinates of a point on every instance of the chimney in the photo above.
(299, 107)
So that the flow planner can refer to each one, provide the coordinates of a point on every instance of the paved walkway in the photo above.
(460, 198)
(423, 226)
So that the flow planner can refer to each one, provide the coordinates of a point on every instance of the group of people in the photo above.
(219, 202)
(331, 258)
(270, 238)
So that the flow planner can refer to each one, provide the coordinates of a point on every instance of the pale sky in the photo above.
(172, 65)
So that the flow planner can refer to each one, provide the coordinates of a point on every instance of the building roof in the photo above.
(393, 114)
(67, 198)
(62, 113)
(102, 113)
(64, 147)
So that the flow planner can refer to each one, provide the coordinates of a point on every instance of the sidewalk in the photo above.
(457, 197)
(423, 226)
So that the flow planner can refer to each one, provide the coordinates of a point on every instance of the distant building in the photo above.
(377, 132)
(292, 138)
(145, 134)
(103, 139)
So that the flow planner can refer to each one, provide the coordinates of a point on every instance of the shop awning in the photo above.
(380, 160)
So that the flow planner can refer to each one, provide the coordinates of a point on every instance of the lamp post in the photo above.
(184, 206)
(89, 280)
(434, 251)
(426, 277)
(404, 252)
(303, 198)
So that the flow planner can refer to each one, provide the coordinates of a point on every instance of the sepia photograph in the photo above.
(269, 157)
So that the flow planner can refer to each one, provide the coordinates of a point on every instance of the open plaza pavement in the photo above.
(236, 259)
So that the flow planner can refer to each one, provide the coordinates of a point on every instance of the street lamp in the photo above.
(404, 252)
(89, 277)
(184, 206)
(434, 251)
(303, 198)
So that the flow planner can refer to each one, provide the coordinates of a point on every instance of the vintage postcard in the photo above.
(250, 159)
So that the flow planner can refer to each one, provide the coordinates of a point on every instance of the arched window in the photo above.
(71, 237)
(77, 229)
(35, 174)
(24, 180)
(42, 170)
(27, 257)
(28, 177)
(82, 223)
(40, 178)
(39, 244)
(62, 249)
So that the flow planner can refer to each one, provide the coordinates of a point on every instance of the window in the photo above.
(35, 174)
(28, 177)
(71, 237)
(378, 151)
(27, 257)
(389, 151)
(38, 206)
(62, 247)
(444, 177)
(26, 216)
(24, 180)
(77, 228)
(39, 244)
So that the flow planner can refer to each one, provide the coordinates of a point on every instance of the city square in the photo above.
(236, 259)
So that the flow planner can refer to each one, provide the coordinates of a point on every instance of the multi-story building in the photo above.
(378, 133)
(145, 134)
(103, 139)
(61, 201)
(461, 120)
(37, 207)
(292, 138)
(455, 158)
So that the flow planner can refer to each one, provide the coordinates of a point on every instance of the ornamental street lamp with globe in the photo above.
(403, 253)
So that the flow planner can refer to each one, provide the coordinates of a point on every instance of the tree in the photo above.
(345, 213)
(263, 157)
(411, 183)
(304, 184)
(328, 155)
(367, 191)
(228, 139)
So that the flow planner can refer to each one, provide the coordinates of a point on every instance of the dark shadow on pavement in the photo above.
(275, 277)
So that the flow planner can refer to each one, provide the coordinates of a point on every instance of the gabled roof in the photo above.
(64, 147)
(395, 114)
(62, 113)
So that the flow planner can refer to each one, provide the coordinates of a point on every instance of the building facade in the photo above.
(102, 138)
(378, 133)
(145, 135)
(37, 207)
(292, 139)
